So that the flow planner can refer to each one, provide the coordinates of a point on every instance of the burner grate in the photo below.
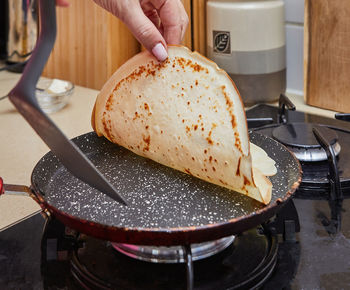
(327, 178)
(300, 139)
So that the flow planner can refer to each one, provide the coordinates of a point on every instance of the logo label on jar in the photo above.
(221, 42)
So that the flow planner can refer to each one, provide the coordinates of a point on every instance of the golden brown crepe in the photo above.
(185, 113)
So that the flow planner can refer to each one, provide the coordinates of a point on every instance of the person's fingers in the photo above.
(154, 17)
(146, 32)
(142, 27)
(174, 19)
(63, 3)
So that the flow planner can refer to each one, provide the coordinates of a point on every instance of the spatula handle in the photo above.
(25, 88)
(23, 97)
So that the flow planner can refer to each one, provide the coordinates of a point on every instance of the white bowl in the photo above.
(52, 94)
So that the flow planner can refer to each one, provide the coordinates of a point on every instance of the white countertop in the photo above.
(21, 148)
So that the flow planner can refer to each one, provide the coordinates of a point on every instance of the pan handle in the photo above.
(21, 190)
(12, 189)
(2, 190)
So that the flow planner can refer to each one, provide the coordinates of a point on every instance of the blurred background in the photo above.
(313, 59)
(92, 44)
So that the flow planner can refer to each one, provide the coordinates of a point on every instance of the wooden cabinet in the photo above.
(91, 44)
(327, 54)
(199, 28)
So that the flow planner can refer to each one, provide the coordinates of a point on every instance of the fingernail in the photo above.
(160, 52)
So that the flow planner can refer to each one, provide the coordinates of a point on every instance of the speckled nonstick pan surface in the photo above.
(165, 206)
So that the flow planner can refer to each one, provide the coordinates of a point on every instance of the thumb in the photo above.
(146, 33)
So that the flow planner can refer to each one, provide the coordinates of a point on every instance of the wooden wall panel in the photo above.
(187, 41)
(327, 54)
(199, 29)
(91, 44)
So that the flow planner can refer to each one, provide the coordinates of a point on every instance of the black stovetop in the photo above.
(319, 258)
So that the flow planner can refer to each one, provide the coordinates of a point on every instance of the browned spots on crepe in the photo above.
(209, 139)
(118, 85)
(245, 190)
(109, 103)
(187, 170)
(136, 116)
(183, 63)
(106, 129)
(246, 180)
(223, 182)
(238, 142)
(228, 101)
(107, 126)
(238, 172)
(147, 141)
(233, 119)
(150, 70)
(146, 106)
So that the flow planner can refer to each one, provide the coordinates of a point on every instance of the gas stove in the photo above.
(305, 246)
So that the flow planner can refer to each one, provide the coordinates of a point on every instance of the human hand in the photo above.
(154, 23)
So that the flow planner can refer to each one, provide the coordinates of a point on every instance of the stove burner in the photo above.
(174, 254)
(247, 263)
(299, 138)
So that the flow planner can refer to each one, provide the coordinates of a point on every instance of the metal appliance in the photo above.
(246, 38)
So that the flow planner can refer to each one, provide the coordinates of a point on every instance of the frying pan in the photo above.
(164, 206)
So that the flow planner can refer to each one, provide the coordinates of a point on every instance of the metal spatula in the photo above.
(23, 97)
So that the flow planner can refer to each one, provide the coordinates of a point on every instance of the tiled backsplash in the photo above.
(295, 43)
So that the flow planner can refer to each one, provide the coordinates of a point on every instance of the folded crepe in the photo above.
(185, 113)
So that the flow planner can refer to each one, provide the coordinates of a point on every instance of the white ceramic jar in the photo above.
(247, 40)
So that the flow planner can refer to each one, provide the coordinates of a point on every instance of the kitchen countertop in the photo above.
(21, 148)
